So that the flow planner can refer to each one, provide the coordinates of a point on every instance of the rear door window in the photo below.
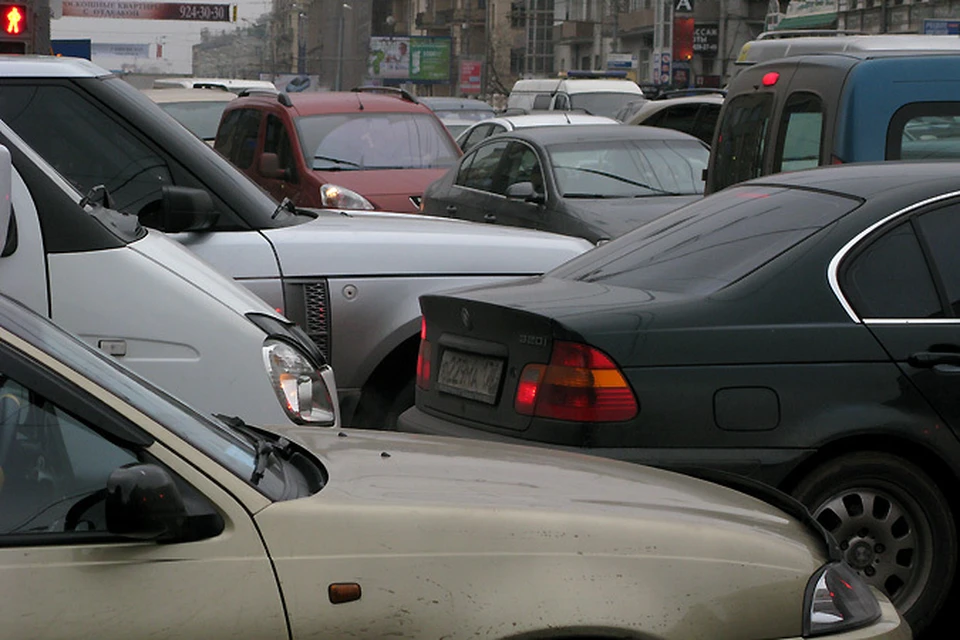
(741, 142)
(925, 131)
(801, 133)
(706, 122)
(680, 117)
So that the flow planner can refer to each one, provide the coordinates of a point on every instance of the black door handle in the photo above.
(489, 217)
(451, 209)
(930, 359)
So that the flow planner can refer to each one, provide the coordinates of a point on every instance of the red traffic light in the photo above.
(14, 19)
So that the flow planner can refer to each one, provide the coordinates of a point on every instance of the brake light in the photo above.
(835, 160)
(423, 358)
(581, 384)
(770, 79)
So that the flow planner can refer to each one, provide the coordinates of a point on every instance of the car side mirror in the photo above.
(525, 192)
(270, 167)
(185, 209)
(143, 502)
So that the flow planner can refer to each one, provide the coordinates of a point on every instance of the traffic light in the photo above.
(15, 23)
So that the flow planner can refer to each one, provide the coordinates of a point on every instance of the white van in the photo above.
(234, 85)
(599, 96)
(150, 303)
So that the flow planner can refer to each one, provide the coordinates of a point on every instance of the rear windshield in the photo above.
(711, 243)
(740, 142)
(202, 118)
(354, 141)
(602, 104)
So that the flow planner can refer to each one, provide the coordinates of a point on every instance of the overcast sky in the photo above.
(177, 37)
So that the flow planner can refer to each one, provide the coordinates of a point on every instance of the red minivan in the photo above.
(360, 149)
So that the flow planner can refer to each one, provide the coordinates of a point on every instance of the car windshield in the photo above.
(472, 115)
(351, 141)
(202, 118)
(602, 104)
(628, 168)
(711, 243)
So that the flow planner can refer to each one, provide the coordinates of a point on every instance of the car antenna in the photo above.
(359, 101)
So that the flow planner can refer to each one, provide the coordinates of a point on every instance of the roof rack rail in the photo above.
(680, 93)
(395, 91)
(282, 97)
(801, 33)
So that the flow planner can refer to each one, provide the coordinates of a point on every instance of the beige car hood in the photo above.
(537, 493)
(464, 539)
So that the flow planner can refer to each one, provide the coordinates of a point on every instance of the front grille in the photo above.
(316, 301)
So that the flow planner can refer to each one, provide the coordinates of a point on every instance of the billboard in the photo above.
(470, 76)
(416, 59)
(146, 10)
(934, 27)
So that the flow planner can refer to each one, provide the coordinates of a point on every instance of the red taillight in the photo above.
(581, 384)
(835, 160)
(423, 358)
(770, 78)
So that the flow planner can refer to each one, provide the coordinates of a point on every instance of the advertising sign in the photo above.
(470, 76)
(120, 50)
(706, 40)
(71, 48)
(664, 68)
(417, 59)
(941, 27)
(146, 10)
(624, 61)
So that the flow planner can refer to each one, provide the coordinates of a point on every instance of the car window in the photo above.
(89, 147)
(706, 122)
(711, 243)
(680, 117)
(801, 132)
(521, 164)
(476, 135)
(889, 278)
(356, 141)
(201, 118)
(925, 131)
(276, 140)
(562, 102)
(50, 460)
(740, 143)
(628, 168)
(542, 101)
(940, 229)
(478, 171)
(601, 104)
(237, 136)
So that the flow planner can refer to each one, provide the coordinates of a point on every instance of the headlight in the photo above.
(336, 197)
(837, 599)
(298, 384)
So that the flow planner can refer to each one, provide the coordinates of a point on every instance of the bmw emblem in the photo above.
(465, 319)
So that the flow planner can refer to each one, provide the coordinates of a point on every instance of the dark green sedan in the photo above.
(802, 329)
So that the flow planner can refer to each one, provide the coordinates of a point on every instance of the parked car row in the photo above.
(795, 329)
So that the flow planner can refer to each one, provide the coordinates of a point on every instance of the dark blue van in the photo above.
(859, 104)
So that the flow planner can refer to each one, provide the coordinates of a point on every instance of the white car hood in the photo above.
(373, 243)
(196, 272)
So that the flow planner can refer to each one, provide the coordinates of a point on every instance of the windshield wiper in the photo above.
(265, 449)
(621, 179)
(285, 205)
(596, 196)
(349, 163)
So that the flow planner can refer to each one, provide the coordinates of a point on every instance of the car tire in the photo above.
(893, 524)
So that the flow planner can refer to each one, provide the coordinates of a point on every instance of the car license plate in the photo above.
(470, 376)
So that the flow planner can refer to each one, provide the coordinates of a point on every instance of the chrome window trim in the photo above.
(834, 265)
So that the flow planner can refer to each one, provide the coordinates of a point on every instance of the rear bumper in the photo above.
(770, 466)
